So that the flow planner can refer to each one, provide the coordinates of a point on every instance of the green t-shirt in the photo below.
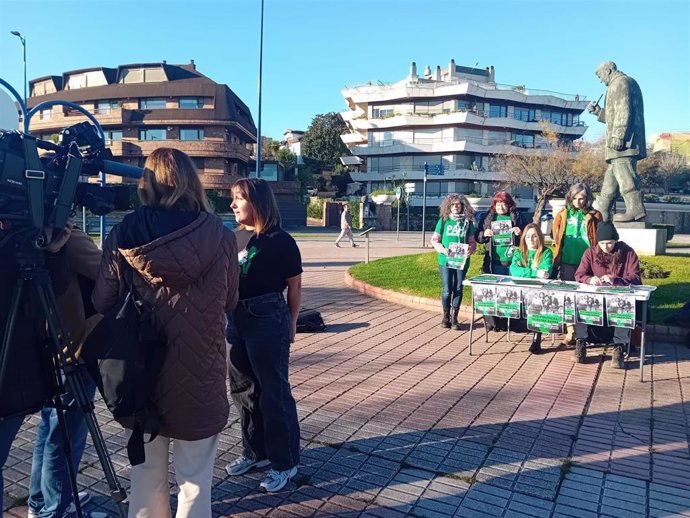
(518, 268)
(499, 251)
(575, 240)
(452, 231)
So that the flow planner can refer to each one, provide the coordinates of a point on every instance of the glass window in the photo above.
(498, 111)
(192, 134)
(76, 81)
(523, 114)
(106, 107)
(112, 135)
(46, 114)
(523, 140)
(191, 102)
(152, 134)
(151, 104)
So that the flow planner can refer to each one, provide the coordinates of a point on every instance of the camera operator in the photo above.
(72, 261)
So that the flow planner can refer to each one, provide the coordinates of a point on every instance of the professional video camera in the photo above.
(43, 191)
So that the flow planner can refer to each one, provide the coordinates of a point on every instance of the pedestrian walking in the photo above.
(345, 226)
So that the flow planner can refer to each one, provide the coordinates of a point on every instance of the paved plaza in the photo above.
(398, 420)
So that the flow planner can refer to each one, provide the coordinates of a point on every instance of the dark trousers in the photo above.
(259, 336)
(451, 282)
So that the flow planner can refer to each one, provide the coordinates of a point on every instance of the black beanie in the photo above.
(606, 232)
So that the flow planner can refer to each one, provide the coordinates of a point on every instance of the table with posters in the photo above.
(548, 305)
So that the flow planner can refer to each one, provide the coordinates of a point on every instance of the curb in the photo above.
(658, 332)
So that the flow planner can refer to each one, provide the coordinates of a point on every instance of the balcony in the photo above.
(196, 148)
(60, 119)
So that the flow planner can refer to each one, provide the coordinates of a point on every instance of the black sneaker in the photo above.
(580, 352)
(535, 348)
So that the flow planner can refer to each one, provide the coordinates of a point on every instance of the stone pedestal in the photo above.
(384, 217)
(645, 241)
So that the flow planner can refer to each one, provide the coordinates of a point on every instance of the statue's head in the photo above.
(605, 71)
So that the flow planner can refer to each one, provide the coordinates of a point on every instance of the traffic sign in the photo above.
(398, 192)
(409, 188)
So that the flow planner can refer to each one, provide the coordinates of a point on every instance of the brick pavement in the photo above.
(397, 419)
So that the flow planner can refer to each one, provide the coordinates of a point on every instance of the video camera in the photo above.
(42, 192)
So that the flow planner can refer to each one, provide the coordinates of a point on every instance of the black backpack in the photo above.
(310, 321)
(125, 355)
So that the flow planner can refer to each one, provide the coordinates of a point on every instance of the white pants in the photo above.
(193, 462)
(346, 232)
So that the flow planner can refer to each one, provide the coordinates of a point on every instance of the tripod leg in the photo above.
(73, 371)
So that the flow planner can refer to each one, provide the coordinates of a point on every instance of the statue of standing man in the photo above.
(623, 114)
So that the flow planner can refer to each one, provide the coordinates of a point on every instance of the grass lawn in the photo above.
(418, 275)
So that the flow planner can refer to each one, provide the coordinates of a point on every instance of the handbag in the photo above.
(125, 355)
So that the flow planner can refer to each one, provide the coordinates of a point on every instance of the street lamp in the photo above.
(23, 40)
(261, 64)
(426, 172)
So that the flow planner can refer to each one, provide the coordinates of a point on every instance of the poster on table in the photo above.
(589, 309)
(569, 308)
(620, 311)
(502, 232)
(485, 299)
(508, 300)
(544, 310)
(457, 255)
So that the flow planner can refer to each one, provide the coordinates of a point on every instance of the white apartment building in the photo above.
(453, 119)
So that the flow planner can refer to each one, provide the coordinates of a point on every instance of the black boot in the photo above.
(580, 352)
(617, 357)
(455, 323)
(535, 348)
(446, 319)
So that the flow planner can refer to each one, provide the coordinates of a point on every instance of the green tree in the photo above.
(322, 139)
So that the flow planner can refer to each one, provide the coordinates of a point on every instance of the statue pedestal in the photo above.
(645, 241)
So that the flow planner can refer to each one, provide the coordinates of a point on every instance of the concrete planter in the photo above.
(480, 204)
(383, 199)
(556, 205)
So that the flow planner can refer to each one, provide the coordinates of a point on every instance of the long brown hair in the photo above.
(467, 210)
(523, 244)
(260, 196)
(610, 262)
(170, 181)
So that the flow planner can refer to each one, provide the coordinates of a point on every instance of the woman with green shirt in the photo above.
(532, 260)
(574, 231)
(455, 226)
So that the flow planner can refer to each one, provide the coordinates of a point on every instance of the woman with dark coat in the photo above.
(184, 264)
(608, 263)
(497, 256)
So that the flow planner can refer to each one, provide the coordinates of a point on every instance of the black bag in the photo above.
(310, 321)
(125, 355)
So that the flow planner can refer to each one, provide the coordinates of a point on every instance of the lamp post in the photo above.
(261, 62)
(426, 171)
(23, 40)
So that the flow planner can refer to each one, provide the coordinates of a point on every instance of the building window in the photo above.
(560, 118)
(524, 114)
(192, 134)
(152, 134)
(110, 136)
(465, 106)
(498, 111)
(151, 104)
(522, 140)
(45, 114)
(191, 102)
(382, 113)
(105, 107)
(142, 75)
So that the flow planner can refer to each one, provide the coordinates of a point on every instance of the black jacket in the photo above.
(485, 224)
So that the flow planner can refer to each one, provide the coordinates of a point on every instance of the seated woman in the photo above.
(609, 263)
(496, 256)
(532, 260)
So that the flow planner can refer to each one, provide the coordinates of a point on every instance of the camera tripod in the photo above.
(65, 372)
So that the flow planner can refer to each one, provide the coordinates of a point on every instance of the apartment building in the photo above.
(454, 119)
(148, 105)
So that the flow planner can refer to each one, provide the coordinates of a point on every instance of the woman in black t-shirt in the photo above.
(260, 331)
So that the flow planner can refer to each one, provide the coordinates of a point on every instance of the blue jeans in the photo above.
(451, 279)
(499, 269)
(259, 335)
(8, 431)
(50, 492)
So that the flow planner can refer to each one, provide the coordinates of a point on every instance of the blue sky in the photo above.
(313, 48)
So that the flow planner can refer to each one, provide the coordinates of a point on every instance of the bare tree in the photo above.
(660, 168)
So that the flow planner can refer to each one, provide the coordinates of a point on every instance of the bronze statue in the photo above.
(623, 114)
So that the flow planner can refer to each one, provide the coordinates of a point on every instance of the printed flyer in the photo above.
(508, 301)
(569, 308)
(589, 309)
(502, 232)
(544, 310)
(457, 255)
(620, 311)
(485, 299)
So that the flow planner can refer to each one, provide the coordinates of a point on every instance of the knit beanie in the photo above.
(606, 231)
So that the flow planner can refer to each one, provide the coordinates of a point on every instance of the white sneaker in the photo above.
(84, 498)
(242, 464)
(276, 480)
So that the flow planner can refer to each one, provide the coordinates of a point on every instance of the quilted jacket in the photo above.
(190, 275)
